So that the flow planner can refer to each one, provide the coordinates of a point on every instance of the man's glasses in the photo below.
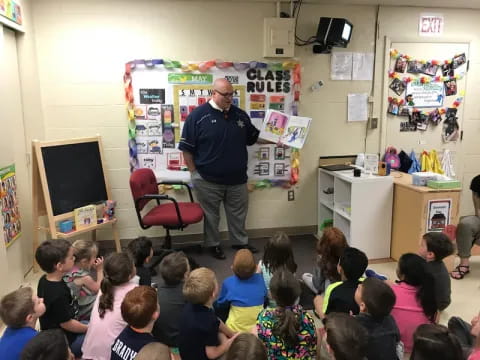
(228, 94)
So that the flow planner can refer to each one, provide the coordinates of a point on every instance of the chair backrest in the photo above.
(143, 182)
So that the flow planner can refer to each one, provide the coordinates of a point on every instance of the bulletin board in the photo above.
(162, 93)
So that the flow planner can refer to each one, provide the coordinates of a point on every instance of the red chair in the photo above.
(172, 214)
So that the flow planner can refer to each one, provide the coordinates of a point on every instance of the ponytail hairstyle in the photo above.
(412, 270)
(330, 248)
(285, 290)
(117, 270)
(278, 253)
(433, 341)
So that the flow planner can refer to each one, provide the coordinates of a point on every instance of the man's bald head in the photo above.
(222, 93)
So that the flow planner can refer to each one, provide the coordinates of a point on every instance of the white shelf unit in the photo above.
(359, 206)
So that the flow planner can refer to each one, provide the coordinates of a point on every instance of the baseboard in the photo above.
(191, 239)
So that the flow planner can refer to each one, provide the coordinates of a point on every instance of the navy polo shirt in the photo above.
(218, 142)
(198, 328)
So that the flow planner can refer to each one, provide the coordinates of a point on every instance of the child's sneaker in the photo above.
(371, 273)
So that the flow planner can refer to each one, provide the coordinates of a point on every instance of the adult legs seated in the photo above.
(468, 233)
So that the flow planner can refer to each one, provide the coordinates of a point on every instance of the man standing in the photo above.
(214, 141)
(468, 233)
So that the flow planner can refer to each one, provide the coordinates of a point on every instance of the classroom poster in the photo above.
(438, 214)
(425, 95)
(9, 205)
(163, 96)
(269, 161)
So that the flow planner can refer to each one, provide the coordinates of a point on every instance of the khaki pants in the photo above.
(235, 202)
(468, 233)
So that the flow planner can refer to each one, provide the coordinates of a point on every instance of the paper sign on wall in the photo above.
(438, 214)
(430, 25)
(424, 95)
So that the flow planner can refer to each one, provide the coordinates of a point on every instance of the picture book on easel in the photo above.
(285, 129)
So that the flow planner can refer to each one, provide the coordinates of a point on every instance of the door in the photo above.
(431, 138)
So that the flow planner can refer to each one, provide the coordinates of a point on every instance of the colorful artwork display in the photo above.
(12, 10)
(161, 94)
(12, 227)
(431, 91)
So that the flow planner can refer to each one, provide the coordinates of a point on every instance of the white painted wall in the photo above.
(20, 120)
(82, 48)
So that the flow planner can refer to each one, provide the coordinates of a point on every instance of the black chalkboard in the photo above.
(74, 175)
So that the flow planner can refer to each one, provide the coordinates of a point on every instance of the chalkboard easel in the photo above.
(68, 174)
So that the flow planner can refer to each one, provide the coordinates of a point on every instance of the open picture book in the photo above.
(288, 130)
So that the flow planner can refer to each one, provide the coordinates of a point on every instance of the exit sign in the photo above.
(430, 25)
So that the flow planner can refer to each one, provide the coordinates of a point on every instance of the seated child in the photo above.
(433, 341)
(340, 296)
(202, 335)
(247, 346)
(47, 345)
(56, 258)
(346, 338)
(154, 351)
(287, 331)
(106, 321)
(142, 252)
(436, 246)
(467, 334)
(415, 302)
(375, 299)
(80, 281)
(329, 249)
(140, 310)
(174, 268)
(243, 294)
(19, 310)
(278, 253)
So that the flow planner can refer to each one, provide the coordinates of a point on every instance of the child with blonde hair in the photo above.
(202, 335)
(79, 278)
(278, 253)
(154, 351)
(329, 248)
(106, 321)
(243, 294)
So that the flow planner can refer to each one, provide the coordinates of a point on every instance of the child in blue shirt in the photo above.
(19, 310)
(244, 293)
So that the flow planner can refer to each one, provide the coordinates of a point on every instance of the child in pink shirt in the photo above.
(106, 321)
(415, 292)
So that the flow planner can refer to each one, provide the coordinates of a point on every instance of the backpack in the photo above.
(405, 161)
(391, 157)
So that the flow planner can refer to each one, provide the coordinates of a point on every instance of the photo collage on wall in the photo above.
(424, 98)
(163, 99)
(8, 200)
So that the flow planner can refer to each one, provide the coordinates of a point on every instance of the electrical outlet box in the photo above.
(291, 195)
(278, 37)
(373, 123)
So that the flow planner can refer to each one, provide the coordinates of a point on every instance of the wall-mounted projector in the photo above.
(332, 32)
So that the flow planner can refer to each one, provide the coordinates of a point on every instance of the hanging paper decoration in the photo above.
(158, 105)
(457, 60)
(424, 79)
